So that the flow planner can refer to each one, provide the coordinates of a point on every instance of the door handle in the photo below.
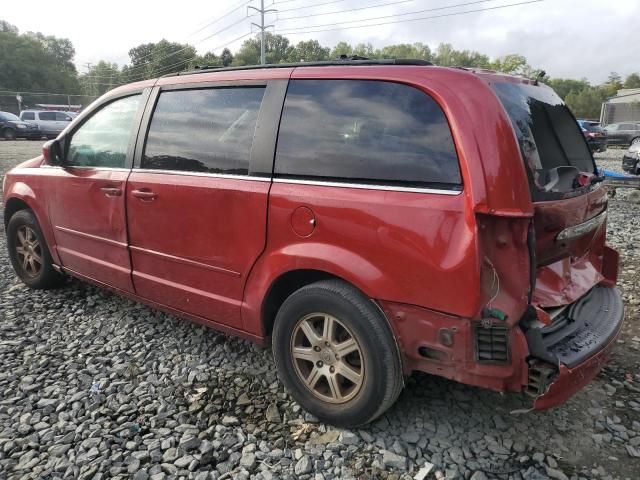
(111, 191)
(144, 194)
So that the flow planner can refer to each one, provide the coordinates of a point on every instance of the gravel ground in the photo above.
(96, 386)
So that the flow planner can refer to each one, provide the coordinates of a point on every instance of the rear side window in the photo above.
(28, 116)
(364, 131)
(47, 115)
(62, 117)
(208, 130)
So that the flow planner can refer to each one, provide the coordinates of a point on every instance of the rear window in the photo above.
(364, 131)
(47, 115)
(551, 141)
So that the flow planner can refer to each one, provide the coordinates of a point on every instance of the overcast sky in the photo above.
(567, 38)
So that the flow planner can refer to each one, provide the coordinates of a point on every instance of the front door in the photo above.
(196, 218)
(86, 200)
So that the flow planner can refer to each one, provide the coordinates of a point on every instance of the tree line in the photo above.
(35, 62)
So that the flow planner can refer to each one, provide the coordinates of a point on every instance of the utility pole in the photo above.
(262, 28)
(89, 65)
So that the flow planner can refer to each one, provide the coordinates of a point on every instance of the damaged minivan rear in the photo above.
(574, 311)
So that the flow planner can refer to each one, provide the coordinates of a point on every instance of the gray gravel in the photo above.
(96, 386)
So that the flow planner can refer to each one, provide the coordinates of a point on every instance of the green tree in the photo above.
(100, 78)
(308, 51)
(586, 103)
(564, 86)
(226, 57)
(35, 62)
(406, 50)
(277, 50)
(341, 48)
(150, 60)
(632, 81)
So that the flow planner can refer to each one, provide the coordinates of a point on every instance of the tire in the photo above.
(23, 232)
(635, 141)
(9, 134)
(375, 359)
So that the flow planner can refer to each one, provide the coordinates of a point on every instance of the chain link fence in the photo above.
(14, 102)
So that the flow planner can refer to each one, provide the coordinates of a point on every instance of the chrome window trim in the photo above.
(366, 186)
(84, 167)
(201, 174)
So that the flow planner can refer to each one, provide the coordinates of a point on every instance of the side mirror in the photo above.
(52, 152)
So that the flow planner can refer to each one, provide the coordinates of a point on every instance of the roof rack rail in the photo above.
(342, 61)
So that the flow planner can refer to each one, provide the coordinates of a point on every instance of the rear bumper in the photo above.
(597, 144)
(630, 164)
(579, 350)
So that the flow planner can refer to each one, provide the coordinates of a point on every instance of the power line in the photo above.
(351, 10)
(307, 29)
(140, 74)
(242, 4)
(331, 2)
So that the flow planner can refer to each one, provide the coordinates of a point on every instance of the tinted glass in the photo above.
(366, 132)
(28, 116)
(208, 130)
(102, 141)
(551, 142)
(47, 115)
(62, 117)
(9, 116)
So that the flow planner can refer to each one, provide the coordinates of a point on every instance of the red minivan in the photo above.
(367, 218)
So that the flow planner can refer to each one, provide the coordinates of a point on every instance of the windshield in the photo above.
(9, 116)
(551, 141)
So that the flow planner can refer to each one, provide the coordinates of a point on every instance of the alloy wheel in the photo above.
(327, 358)
(29, 251)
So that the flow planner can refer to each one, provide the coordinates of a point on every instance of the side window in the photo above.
(28, 116)
(363, 131)
(62, 117)
(47, 116)
(207, 130)
(102, 140)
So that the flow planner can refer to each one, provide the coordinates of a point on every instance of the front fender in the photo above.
(22, 192)
(302, 256)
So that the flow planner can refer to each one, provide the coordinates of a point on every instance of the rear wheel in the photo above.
(9, 134)
(635, 141)
(29, 253)
(336, 354)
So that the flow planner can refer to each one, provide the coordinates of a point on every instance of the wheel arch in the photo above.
(277, 272)
(21, 197)
(13, 206)
(282, 287)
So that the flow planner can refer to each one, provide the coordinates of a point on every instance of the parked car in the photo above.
(50, 122)
(368, 218)
(626, 133)
(631, 159)
(595, 135)
(12, 127)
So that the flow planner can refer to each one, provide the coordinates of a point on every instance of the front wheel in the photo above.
(29, 253)
(336, 354)
(635, 141)
(9, 134)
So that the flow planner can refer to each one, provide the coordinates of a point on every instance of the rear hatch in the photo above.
(569, 201)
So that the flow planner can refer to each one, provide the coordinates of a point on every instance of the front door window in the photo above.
(102, 141)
